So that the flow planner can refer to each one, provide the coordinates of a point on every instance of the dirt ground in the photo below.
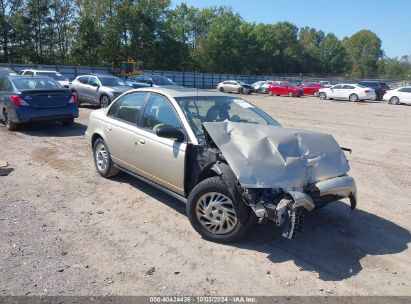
(64, 230)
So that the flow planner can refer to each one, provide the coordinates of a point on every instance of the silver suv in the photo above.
(232, 163)
(98, 89)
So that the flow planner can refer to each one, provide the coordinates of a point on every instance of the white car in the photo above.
(53, 74)
(399, 95)
(352, 92)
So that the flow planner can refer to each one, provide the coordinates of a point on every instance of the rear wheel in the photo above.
(353, 97)
(221, 89)
(104, 101)
(11, 126)
(211, 211)
(322, 95)
(290, 94)
(394, 100)
(270, 93)
(68, 122)
(102, 159)
(315, 94)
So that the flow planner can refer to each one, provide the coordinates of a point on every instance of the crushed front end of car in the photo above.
(282, 173)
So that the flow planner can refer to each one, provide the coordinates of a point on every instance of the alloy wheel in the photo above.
(104, 101)
(394, 100)
(101, 157)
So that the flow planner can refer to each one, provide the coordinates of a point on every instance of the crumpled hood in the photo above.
(264, 156)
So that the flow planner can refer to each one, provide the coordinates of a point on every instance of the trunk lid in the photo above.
(46, 98)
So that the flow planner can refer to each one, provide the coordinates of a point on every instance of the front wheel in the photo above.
(353, 97)
(315, 94)
(290, 94)
(211, 211)
(394, 100)
(102, 159)
(322, 95)
(270, 93)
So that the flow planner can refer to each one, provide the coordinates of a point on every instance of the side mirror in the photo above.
(95, 85)
(170, 132)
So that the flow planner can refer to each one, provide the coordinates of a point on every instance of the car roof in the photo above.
(47, 71)
(97, 75)
(27, 77)
(177, 91)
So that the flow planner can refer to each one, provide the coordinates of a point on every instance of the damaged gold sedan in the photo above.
(233, 164)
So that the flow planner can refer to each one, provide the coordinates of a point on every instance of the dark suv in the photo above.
(380, 87)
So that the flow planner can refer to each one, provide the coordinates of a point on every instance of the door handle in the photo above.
(109, 128)
(141, 141)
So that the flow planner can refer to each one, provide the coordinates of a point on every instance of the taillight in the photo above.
(73, 98)
(18, 101)
(367, 91)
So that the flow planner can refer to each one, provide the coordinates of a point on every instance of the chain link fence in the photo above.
(202, 80)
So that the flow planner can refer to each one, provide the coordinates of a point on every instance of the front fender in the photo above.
(230, 180)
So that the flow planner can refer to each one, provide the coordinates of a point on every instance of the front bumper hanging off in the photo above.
(289, 211)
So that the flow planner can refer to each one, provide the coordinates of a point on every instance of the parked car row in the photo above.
(367, 90)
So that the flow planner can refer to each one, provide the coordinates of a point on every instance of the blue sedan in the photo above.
(35, 98)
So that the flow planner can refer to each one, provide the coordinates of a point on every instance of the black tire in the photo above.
(353, 97)
(322, 96)
(109, 170)
(394, 100)
(221, 89)
(270, 93)
(104, 101)
(209, 186)
(69, 122)
(315, 94)
(11, 126)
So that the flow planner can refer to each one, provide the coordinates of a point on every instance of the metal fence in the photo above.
(195, 79)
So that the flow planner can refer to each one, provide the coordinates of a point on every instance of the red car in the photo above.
(284, 88)
(312, 88)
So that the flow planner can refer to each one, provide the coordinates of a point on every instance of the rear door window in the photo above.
(348, 87)
(83, 79)
(128, 108)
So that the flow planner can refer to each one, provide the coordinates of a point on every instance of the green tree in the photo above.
(333, 55)
(310, 41)
(364, 50)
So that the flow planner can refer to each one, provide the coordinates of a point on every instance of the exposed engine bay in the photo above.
(279, 173)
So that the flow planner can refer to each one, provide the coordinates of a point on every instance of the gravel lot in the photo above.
(64, 230)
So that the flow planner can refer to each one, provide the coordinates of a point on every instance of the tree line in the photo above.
(162, 36)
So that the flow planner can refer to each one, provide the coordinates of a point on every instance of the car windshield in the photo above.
(199, 109)
(161, 80)
(54, 75)
(111, 81)
(36, 84)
